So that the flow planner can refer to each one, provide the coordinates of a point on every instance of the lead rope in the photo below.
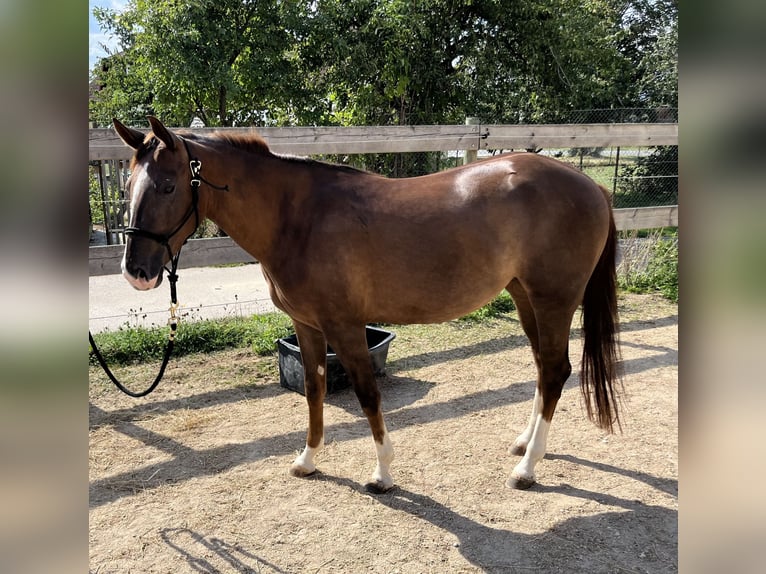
(172, 322)
(195, 166)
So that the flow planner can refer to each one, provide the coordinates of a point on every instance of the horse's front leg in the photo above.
(314, 354)
(350, 345)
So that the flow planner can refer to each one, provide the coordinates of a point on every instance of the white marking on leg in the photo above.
(304, 464)
(320, 370)
(523, 439)
(525, 470)
(385, 455)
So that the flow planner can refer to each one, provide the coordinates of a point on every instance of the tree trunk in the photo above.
(222, 107)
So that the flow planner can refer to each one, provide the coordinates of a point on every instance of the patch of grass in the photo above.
(652, 268)
(137, 345)
(500, 305)
(132, 345)
(651, 233)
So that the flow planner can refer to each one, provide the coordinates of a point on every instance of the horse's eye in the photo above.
(169, 188)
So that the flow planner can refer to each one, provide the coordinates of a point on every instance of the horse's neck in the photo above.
(249, 211)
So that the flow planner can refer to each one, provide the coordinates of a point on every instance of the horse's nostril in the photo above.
(140, 273)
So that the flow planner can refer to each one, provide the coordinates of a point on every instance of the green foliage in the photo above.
(398, 62)
(136, 345)
(227, 61)
(661, 271)
(649, 41)
(386, 62)
(500, 305)
(585, 151)
(119, 91)
(94, 198)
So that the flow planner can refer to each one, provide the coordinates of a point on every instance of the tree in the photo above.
(227, 61)
(373, 62)
(436, 61)
(649, 41)
(116, 91)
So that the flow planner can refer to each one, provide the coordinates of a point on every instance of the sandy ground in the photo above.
(194, 477)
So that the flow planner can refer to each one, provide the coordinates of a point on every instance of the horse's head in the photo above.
(163, 204)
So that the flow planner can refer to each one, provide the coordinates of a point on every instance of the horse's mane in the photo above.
(252, 142)
(248, 141)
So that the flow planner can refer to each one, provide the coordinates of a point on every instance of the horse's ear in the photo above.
(162, 133)
(133, 138)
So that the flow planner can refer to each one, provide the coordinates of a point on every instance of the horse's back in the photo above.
(495, 214)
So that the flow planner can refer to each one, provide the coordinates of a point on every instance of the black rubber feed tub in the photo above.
(291, 365)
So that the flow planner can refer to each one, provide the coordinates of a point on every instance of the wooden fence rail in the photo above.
(104, 144)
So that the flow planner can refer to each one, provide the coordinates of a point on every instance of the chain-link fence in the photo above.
(657, 115)
(636, 176)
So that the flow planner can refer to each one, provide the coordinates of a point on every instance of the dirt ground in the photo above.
(194, 477)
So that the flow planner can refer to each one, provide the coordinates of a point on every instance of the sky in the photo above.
(96, 36)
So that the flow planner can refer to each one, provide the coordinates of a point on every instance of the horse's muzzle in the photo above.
(139, 279)
(141, 283)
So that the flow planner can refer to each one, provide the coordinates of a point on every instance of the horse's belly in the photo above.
(433, 300)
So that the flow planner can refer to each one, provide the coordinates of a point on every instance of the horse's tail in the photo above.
(600, 376)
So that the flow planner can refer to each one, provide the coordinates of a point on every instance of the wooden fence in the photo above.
(104, 144)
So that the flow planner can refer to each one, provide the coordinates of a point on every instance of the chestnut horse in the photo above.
(341, 248)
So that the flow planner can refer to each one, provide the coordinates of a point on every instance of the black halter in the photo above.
(196, 167)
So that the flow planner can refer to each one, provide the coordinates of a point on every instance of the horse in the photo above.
(341, 248)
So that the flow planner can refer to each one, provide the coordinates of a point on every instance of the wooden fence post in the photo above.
(471, 154)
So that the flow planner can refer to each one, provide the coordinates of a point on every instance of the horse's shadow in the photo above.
(579, 544)
(401, 391)
(396, 392)
(628, 536)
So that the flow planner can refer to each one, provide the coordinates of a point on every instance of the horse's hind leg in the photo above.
(529, 324)
(314, 354)
(552, 321)
(350, 345)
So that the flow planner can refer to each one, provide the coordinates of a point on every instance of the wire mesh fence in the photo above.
(660, 114)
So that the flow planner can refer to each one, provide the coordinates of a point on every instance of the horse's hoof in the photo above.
(301, 471)
(520, 482)
(518, 449)
(377, 487)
